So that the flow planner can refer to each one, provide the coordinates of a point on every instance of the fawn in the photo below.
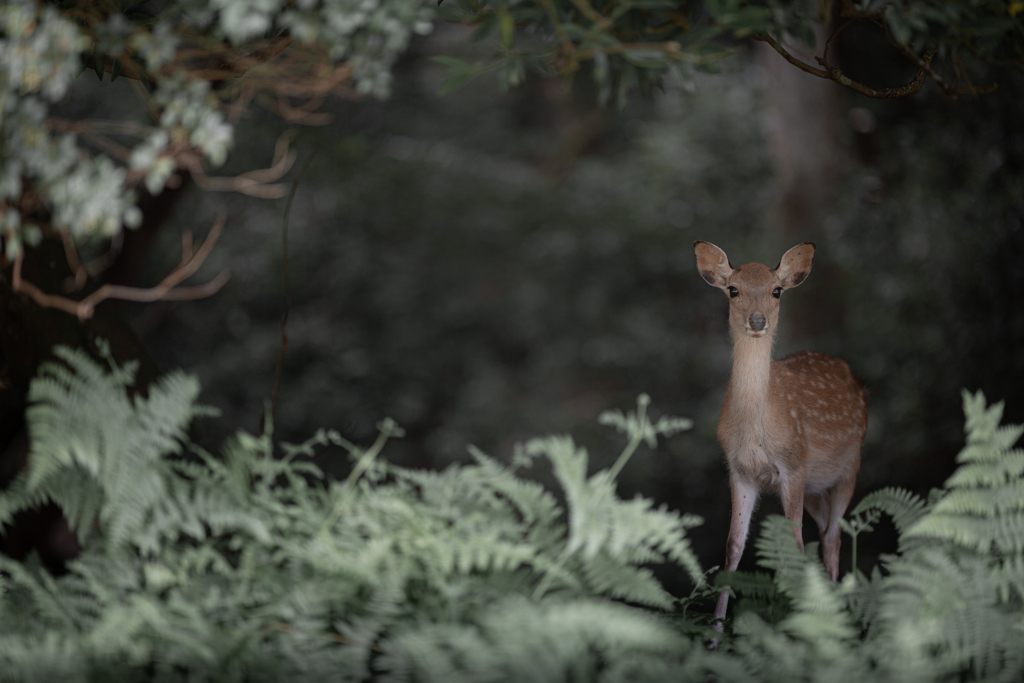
(794, 425)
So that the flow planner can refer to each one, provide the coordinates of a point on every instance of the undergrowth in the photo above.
(251, 566)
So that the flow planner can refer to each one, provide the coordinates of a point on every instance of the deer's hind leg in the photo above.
(827, 509)
(819, 507)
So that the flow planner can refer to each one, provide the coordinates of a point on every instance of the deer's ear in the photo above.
(712, 263)
(795, 265)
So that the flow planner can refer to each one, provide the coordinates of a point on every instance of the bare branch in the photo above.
(86, 306)
(910, 88)
(186, 246)
(834, 74)
(40, 297)
(301, 114)
(80, 274)
(790, 58)
(288, 293)
(258, 183)
(592, 14)
(167, 290)
(98, 265)
(240, 66)
(100, 126)
(924, 64)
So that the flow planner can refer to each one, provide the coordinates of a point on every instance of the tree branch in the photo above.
(288, 295)
(790, 58)
(926, 67)
(834, 74)
(923, 62)
(167, 290)
(257, 183)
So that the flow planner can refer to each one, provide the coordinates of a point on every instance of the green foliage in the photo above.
(635, 43)
(178, 50)
(95, 452)
(249, 566)
(194, 58)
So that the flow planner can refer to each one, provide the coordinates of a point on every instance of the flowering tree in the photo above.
(197, 64)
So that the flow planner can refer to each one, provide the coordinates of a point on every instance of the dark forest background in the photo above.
(489, 265)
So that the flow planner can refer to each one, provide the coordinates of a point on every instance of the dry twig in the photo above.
(833, 73)
(287, 292)
(259, 183)
(167, 290)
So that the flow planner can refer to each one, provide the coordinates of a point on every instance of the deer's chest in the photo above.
(752, 449)
(753, 463)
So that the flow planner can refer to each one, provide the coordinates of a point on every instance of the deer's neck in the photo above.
(751, 376)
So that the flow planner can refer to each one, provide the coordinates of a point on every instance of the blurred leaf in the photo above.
(897, 27)
(485, 28)
(451, 13)
(646, 59)
(456, 73)
(507, 28)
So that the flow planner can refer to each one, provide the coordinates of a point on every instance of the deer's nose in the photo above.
(756, 322)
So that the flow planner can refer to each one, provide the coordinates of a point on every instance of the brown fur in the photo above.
(792, 426)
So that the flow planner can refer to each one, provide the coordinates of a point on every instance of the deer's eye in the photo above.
(777, 292)
(733, 292)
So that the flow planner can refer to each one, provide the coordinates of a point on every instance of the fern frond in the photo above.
(981, 421)
(607, 575)
(536, 642)
(49, 603)
(818, 613)
(777, 549)
(984, 502)
(952, 604)
(863, 595)
(1003, 534)
(983, 509)
(904, 507)
(1008, 466)
(756, 592)
(50, 656)
(81, 421)
(1007, 578)
(598, 520)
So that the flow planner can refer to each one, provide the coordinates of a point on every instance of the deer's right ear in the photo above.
(795, 265)
(712, 263)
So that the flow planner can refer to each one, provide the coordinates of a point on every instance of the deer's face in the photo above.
(754, 289)
(754, 293)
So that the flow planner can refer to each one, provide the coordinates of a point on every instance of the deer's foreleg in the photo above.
(744, 498)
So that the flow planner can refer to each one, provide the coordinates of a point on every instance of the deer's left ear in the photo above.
(712, 263)
(795, 265)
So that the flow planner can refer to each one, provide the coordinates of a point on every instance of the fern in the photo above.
(983, 507)
(251, 566)
(961, 590)
(95, 452)
(904, 507)
(549, 642)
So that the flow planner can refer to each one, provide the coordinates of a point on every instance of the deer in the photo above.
(792, 426)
